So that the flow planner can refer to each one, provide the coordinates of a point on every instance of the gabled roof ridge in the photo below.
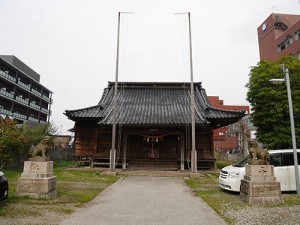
(147, 83)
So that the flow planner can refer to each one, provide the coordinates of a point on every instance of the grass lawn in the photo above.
(222, 201)
(74, 188)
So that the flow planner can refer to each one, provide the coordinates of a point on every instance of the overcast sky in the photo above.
(72, 44)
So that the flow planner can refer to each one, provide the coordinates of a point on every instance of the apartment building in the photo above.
(22, 96)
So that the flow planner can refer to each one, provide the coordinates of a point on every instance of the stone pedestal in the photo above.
(259, 185)
(37, 180)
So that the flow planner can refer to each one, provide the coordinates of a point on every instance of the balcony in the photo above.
(4, 111)
(33, 105)
(6, 93)
(23, 85)
(7, 76)
(32, 119)
(36, 92)
(45, 110)
(20, 116)
(22, 100)
(47, 98)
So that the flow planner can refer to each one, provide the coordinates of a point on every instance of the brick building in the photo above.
(224, 140)
(279, 35)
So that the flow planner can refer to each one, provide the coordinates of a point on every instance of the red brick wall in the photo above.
(270, 38)
(221, 141)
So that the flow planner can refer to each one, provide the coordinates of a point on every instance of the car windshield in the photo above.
(242, 162)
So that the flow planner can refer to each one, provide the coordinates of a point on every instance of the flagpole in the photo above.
(193, 153)
(112, 163)
(193, 150)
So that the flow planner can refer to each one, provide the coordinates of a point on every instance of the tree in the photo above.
(10, 141)
(16, 140)
(32, 135)
(269, 102)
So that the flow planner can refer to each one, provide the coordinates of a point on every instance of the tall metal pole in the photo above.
(112, 164)
(287, 80)
(193, 153)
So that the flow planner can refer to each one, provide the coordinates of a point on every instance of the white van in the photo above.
(284, 171)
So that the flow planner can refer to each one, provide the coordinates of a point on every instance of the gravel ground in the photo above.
(47, 218)
(265, 216)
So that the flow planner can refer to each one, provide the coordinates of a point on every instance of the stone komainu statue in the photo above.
(41, 148)
(258, 155)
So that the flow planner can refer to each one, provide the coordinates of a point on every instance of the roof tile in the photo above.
(155, 104)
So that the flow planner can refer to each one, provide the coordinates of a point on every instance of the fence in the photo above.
(229, 157)
(61, 154)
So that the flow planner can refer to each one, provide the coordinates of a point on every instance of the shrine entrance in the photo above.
(157, 151)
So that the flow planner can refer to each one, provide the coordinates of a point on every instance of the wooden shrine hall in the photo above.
(153, 126)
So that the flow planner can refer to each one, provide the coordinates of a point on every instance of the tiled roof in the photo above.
(155, 104)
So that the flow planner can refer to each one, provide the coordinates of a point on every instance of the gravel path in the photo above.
(146, 201)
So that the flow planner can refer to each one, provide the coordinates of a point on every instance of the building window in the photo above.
(287, 42)
(281, 47)
(297, 35)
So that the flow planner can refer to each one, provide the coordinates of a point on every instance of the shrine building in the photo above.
(153, 126)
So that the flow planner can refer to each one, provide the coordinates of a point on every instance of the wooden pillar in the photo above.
(75, 138)
(182, 152)
(96, 140)
(124, 151)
